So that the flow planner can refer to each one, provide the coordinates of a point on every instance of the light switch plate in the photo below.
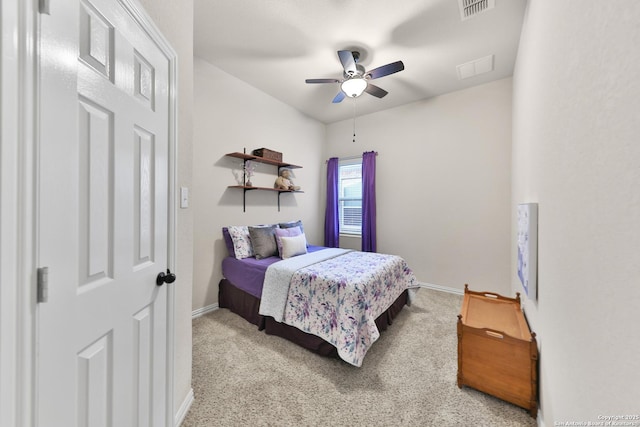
(184, 197)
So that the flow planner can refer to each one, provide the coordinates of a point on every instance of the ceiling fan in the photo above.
(356, 79)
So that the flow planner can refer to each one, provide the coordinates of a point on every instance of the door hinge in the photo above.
(43, 284)
(43, 7)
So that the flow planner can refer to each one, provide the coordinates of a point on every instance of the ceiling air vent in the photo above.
(475, 67)
(471, 8)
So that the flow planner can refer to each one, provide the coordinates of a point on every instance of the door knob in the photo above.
(167, 277)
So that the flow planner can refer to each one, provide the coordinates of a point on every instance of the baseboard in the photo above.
(184, 409)
(204, 310)
(441, 288)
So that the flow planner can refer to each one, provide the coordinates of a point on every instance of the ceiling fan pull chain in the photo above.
(354, 119)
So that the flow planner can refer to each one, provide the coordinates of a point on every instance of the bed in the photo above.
(331, 301)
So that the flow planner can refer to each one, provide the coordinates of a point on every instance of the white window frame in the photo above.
(349, 230)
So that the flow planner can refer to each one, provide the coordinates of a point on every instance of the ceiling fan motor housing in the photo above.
(359, 72)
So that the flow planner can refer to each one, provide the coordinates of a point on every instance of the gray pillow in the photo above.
(263, 240)
(292, 224)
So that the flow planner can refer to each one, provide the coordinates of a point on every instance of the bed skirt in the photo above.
(247, 306)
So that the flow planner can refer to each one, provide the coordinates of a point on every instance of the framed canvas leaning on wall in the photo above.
(528, 247)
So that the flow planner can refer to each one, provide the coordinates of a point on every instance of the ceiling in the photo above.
(274, 45)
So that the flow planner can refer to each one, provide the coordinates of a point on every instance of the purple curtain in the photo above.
(369, 201)
(331, 217)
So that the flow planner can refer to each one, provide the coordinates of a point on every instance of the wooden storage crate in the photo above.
(497, 353)
(265, 153)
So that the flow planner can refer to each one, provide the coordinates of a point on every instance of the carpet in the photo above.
(243, 377)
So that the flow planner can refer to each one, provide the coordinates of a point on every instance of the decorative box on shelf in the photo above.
(497, 352)
(265, 153)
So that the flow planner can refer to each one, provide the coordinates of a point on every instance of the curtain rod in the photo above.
(350, 157)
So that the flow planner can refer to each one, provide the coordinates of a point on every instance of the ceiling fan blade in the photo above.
(348, 61)
(385, 70)
(375, 91)
(322, 81)
(339, 97)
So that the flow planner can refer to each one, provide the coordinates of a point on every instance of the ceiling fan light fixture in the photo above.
(354, 86)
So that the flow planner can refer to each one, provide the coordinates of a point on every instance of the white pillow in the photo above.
(292, 246)
(241, 241)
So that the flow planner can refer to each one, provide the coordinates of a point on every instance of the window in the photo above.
(350, 196)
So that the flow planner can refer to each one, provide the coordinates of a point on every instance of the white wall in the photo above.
(174, 18)
(230, 115)
(576, 152)
(443, 183)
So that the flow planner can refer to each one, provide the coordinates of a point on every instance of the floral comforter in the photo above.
(340, 298)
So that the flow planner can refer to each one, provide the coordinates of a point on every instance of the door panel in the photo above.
(143, 360)
(95, 387)
(95, 164)
(144, 201)
(103, 218)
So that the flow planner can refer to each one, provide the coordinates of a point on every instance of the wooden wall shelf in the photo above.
(245, 188)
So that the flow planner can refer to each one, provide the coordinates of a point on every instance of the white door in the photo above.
(102, 218)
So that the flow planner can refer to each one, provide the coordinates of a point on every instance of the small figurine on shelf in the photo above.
(249, 169)
(283, 182)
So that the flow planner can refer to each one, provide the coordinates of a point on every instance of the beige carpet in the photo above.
(243, 377)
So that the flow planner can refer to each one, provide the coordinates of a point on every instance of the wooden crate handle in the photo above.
(494, 334)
